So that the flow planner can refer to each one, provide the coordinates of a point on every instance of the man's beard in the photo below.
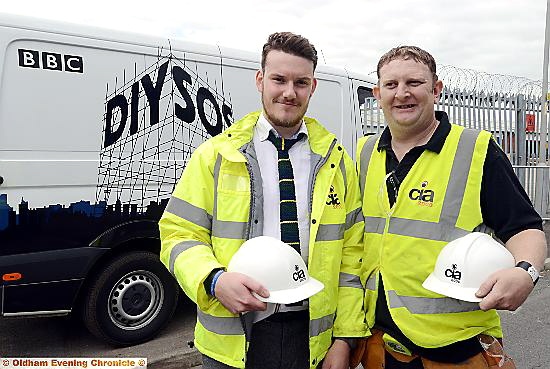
(284, 123)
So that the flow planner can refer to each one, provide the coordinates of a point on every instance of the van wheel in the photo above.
(131, 300)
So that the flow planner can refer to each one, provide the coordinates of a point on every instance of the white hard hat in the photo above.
(465, 263)
(278, 267)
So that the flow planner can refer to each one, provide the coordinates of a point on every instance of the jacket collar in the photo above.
(240, 133)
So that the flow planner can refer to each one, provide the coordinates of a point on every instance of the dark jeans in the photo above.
(278, 342)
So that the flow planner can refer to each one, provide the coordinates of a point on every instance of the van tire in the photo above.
(131, 299)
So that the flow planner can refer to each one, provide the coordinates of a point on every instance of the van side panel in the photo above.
(93, 134)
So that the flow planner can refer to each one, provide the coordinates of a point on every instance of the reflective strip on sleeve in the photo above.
(429, 305)
(330, 232)
(354, 217)
(178, 249)
(189, 212)
(229, 326)
(320, 325)
(349, 280)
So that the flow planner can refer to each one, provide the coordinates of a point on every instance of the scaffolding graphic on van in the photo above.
(151, 125)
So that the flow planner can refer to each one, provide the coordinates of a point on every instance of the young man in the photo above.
(272, 173)
(467, 184)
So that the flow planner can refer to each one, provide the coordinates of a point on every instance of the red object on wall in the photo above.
(529, 122)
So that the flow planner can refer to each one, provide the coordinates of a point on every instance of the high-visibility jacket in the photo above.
(437, 202)
(217, 205)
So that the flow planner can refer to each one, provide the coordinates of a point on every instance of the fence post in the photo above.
(521, 138)
(541, 189)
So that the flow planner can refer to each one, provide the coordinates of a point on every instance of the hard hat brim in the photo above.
(290, 296)
(433, 284)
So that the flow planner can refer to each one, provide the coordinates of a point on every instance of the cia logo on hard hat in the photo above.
(299, 274)
(453, 273)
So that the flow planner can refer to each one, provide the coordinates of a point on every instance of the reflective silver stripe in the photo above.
(344, 175)
(256, 217)
(330, 232)
(354, 217)
(349, 280)
(459, 177)
(371, 283)
(445, 229)
(428, 305)
(178, 249)
(375, 225)
(228, 229)
(217, 166)
(427, 230)
(320, 325)
(189, 212)
(364, 159)
(229, 326)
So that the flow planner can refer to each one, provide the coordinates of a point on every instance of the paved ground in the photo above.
(67, 337)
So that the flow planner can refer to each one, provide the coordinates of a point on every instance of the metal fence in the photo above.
(511, 118)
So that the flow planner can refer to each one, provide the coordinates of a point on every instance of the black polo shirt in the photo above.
(505, 208)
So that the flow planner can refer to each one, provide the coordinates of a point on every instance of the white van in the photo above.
(95, 129)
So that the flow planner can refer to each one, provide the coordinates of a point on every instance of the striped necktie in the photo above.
(287, 192)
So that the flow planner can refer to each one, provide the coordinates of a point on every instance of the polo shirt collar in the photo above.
(436, 142)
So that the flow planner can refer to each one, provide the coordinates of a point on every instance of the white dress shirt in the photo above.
(300, 156)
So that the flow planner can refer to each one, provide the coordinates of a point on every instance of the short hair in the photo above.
(409, 52)
(290, 43)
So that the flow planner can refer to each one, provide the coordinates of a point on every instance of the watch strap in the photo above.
(529, 268)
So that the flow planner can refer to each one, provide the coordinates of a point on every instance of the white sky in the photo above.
(493, 36)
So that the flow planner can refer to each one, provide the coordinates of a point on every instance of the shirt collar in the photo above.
(263, 127)
(435, 143)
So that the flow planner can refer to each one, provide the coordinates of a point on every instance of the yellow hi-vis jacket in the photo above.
(438, 201)
(217, 205)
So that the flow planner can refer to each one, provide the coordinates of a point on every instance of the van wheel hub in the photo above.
(135, 300)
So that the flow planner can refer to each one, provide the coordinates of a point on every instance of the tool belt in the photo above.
(371, 353)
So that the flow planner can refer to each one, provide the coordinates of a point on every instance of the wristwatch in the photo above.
(534, 273)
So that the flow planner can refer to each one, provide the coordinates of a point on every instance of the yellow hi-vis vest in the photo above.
(438, 201)
(217, 205)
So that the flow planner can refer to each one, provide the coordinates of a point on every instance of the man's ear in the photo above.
(438, 87)
(260, 80)
(376, 92)
(313, 86)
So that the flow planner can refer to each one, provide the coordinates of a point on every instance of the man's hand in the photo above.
(506, 289)
(234, 290)
(337, 356)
